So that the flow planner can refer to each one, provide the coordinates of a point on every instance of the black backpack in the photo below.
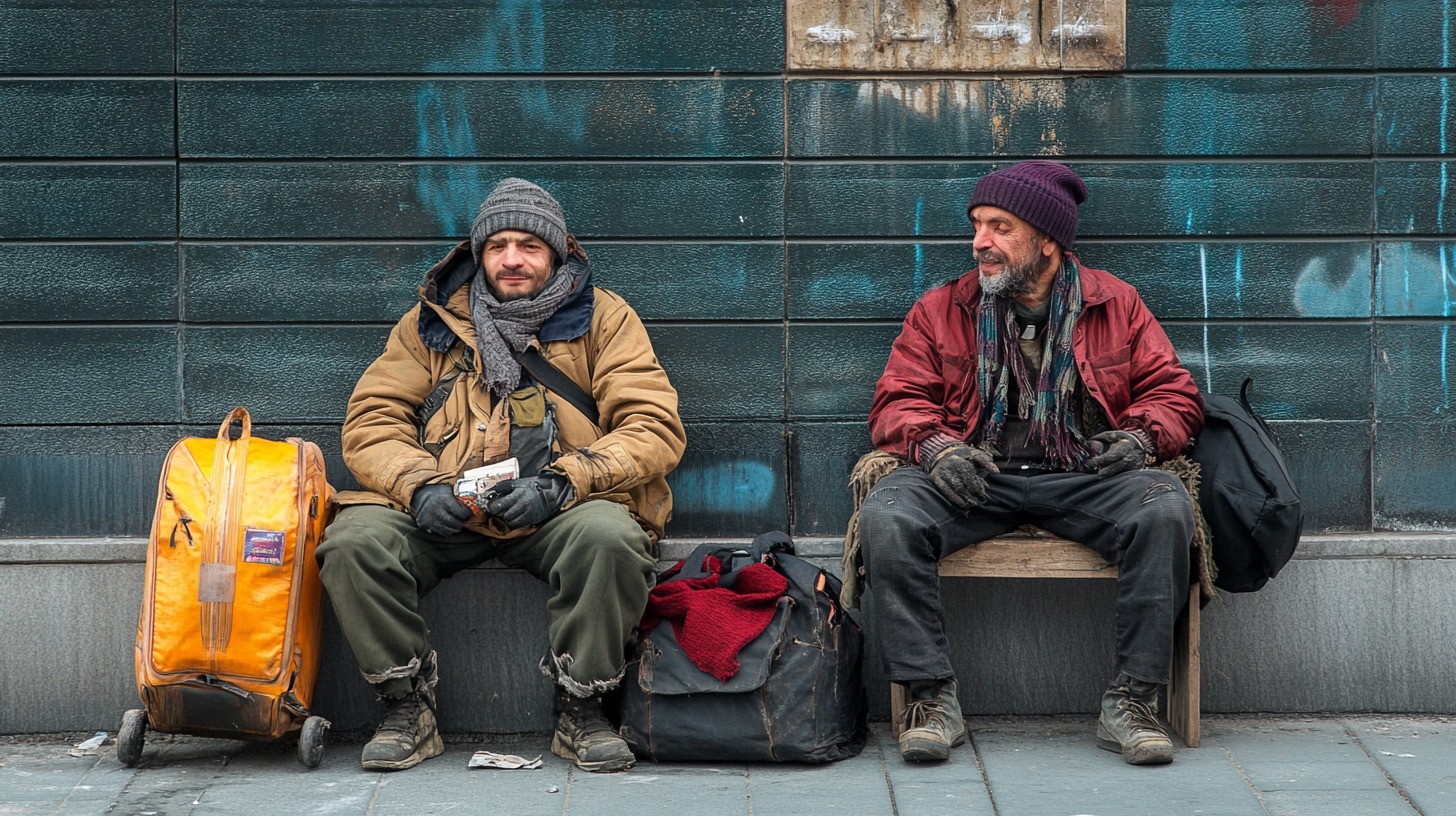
(797, 696)
(1250, 503)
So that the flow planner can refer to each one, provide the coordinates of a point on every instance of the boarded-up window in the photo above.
(956, 35)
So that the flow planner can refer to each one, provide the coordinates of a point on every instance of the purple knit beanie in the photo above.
(1043, 193)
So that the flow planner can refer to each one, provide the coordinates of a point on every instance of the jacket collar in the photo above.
(445, 301)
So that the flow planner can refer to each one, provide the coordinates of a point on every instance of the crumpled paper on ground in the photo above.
(89, 747)
(510, 762)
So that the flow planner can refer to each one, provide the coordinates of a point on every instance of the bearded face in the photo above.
(1010, 270)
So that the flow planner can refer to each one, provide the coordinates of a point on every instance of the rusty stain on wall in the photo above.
(968, 105)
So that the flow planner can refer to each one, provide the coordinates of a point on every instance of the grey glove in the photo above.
(437, 511)
(530, 501)
(959, 473)
(1116, 452)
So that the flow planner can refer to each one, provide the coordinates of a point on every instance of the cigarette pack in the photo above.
(474, 484)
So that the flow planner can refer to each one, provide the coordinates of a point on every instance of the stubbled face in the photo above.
(1011, 253)
(517, 264)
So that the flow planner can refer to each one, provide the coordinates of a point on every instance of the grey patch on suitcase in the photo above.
(215, 583)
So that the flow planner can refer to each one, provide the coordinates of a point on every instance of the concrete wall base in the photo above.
(1355, 623)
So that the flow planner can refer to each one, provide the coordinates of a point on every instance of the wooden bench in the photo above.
(1042, 555)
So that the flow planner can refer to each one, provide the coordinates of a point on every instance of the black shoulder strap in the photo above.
(437, 396)
(552, 377)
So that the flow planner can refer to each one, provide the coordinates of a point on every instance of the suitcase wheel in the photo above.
(311, 741)
(131, 737)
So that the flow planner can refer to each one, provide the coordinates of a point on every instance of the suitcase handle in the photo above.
(237, 425)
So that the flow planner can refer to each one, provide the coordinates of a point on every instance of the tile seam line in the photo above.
(1399, 789)
(1353, 74)
(1244, 775)
(1253, 161)
(706, 77)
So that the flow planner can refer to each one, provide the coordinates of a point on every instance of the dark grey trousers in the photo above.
(1141, 520)
(377, 564)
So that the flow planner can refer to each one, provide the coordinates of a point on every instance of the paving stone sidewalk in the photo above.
(1024, 766)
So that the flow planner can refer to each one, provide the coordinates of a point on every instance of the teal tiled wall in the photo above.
(206, 203)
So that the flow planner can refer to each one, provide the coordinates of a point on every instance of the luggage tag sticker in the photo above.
(215, 583)
(263, 546)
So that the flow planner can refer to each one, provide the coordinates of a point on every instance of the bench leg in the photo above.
(898, 702)
(1184, 692)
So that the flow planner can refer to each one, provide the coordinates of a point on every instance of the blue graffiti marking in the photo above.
(1406, 268)
(738, 486)
(919, 248)
(449, 191)
(1441, 204)
(1203, 270)
(1321, 290)
(1239, 278)
(513, 40)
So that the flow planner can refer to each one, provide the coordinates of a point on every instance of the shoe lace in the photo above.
(920, 713)
(404, 714)
(1142, 716)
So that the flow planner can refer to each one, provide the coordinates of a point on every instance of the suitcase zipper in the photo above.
(300, 537)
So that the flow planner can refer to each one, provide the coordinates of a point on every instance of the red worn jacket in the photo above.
(1123, 356)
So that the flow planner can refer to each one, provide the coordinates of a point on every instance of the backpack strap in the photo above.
(436, 398)
(552, 377)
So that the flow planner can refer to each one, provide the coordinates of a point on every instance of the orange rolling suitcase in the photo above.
(228, 637)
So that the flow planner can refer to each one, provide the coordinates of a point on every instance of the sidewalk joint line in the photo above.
(1248, 782)
(885, 770)
(985, 777)
(566, 789)
(748, 789)
(1389, 780)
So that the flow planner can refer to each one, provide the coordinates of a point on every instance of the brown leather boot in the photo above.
(409, 734)
(584, 736)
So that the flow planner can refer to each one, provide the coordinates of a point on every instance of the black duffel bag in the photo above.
(797, 696)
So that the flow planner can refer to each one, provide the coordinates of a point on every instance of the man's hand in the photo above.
(959, 472)
(1116, 452)
(529, 502)
(437, 511)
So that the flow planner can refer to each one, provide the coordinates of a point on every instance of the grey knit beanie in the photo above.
(517, 204)
(1043, 193)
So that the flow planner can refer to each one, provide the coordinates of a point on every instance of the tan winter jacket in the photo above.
(625, 460)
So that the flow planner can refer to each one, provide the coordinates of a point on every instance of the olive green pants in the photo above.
(377, 565)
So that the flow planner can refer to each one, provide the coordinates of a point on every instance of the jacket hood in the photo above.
(571, 319)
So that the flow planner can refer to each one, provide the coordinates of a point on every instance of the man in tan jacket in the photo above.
(450, 394)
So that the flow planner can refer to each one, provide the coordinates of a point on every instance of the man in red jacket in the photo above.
(1032, 389)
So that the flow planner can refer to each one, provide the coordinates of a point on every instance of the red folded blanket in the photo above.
(713, 622)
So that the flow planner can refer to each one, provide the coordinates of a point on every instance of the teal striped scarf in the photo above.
(1049, 401)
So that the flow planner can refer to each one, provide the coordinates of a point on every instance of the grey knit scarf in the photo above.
(501, 328)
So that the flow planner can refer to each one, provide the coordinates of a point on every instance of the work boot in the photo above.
(1129, 724)
(409, 734)
(933, 723)
(584, 736)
